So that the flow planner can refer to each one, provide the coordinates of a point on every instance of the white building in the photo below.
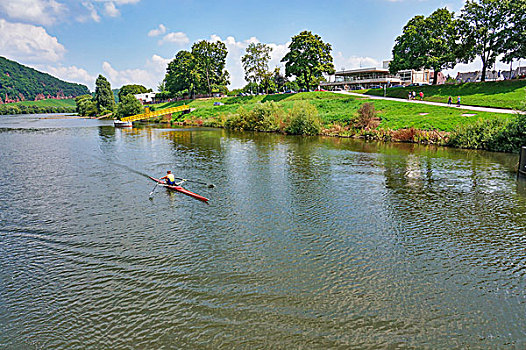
(146, 97)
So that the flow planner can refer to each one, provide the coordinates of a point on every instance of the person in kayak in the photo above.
(169, 178)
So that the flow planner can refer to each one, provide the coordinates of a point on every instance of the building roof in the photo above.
(362, 70)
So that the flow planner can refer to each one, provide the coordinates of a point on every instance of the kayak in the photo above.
(180, 189)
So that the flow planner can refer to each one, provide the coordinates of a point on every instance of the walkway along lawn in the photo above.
(500, 94)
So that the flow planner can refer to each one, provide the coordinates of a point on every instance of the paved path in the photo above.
(470, 108)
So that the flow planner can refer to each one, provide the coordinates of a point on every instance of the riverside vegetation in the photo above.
(325, 113)
(36, 107)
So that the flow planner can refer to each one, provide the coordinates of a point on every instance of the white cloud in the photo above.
(107, 7)
(157, 31)
(27, 42)
(111, 10)
(158, 64)
(179, 38)
(354, 62)
(150, 76)
(122, 2)
(93, 14)
(44, 12)
(70, 74)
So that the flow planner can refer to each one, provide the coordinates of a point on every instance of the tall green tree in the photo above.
(132, 89)
(255, 63)
(129, 105)
(482, 24)
(427, 43)
(182, 74)
(308, 57)
(514, 38)
(210, 59)
(103, 95)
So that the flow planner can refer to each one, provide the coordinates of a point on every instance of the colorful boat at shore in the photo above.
(180, 189)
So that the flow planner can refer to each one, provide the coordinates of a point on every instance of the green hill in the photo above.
(17, 81)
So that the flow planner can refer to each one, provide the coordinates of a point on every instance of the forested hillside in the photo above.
(21, 83)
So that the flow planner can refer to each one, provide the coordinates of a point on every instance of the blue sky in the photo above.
(131, 41)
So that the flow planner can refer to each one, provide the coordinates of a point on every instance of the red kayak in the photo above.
(180, 189)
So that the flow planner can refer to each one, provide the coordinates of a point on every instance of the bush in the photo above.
(264, 117)
(366, 115)
(483, 134)
(304, 120)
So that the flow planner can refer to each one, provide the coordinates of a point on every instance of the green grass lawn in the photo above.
(500, 94)
(343, 108)
(48, 103)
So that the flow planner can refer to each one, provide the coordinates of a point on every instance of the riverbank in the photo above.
(38, 107)
(342, 109)
(339, 116)
(498, 94)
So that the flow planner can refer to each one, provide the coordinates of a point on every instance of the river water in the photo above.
(311, 243)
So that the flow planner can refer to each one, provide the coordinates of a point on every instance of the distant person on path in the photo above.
(458, 101)
(421, 96)
(449, 101)
(409, 95)
(170, 178)
(414, 95)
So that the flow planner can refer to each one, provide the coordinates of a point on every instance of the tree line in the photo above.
(102, 102)
(487, 29)
(202, 70)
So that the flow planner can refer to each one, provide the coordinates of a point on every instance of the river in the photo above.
(307, 242)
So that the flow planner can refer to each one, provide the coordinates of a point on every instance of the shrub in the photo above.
(366, 115)
(404, 135)
(483, 134)
(236, 121)
(264, 117)
(304, 120)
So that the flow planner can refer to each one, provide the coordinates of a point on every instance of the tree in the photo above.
(85, 105)
(103, 94)
(514, 38)
(267, 83)
(255, 63)
(308, 57)
(482, 24)
(129, 105)
(132, 89)
(182, 74)
(210, 60)
(279, 79)
(427, 43)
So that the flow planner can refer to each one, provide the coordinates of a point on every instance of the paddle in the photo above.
(154, 187)
(197, 182)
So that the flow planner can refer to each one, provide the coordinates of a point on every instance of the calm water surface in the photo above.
(312, 243)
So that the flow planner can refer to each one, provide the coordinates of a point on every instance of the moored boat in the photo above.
(180, 189)
(122, 124)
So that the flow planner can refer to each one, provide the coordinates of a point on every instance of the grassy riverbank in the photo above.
(343, 109)
(43, 106)
(500, 94)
